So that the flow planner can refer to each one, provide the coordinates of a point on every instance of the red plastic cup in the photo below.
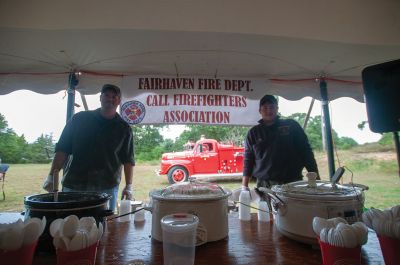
(22, 256)
(390, 249)
(85, 256)
(332, 255)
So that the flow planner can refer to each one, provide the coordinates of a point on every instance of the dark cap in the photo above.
(110, 87)
(268, 99)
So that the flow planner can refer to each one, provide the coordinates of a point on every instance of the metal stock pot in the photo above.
(296, 204)
(209, 202)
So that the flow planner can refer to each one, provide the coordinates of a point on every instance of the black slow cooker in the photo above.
(80, 204)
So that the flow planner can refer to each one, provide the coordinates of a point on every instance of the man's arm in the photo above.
(248, 162)
(58, 162)
(128, 171)
(305, 150)
(51, 182)
(245, 182)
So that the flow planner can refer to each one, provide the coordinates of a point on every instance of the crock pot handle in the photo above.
(356, 185)
(106, 213)
(232, 206)
(149, 208)
(278, 205)
(270, 193)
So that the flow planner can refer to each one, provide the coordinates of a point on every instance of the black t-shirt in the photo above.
(97, 147)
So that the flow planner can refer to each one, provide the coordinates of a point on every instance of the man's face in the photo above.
(109, 100)
(268, 111)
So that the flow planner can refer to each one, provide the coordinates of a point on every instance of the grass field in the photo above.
(378, 170)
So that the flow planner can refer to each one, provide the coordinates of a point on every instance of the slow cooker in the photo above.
(209, 202)
(78, 203)
(295, 204)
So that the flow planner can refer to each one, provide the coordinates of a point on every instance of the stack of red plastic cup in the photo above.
(333, 255)
(390, 249)
(21, 256)
(86, 256)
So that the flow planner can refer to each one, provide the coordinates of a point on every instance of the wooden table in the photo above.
(249, 242)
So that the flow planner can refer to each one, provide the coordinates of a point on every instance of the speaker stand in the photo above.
(397, 144)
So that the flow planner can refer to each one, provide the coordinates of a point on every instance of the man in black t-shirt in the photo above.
(93, 148)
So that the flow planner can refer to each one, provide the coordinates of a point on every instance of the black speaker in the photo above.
(382, 96)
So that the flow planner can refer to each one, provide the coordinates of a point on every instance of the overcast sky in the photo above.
(32, 114)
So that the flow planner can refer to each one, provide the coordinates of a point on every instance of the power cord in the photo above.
(252, 207)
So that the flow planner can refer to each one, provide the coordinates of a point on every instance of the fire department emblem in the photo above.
(133, 112)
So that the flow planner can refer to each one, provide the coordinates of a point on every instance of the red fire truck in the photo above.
(206, 160)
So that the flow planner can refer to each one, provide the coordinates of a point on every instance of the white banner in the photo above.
(191, 100)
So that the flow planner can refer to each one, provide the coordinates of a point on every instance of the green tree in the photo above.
(15, 149)
(313, 129)
(41, 151)
(12, 146)
(299, 117)
(3, 123)
(236, 135)
(387, 140)
(148, 142)
(227, 134)
(346, 143)
(314, 133)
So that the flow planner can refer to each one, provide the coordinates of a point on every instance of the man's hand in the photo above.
(245, 188)
(48, 183)
(127, 192)
(51, 182)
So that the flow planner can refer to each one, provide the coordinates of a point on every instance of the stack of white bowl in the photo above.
(72, 233)
(385, 223)
(21, 233)
(337, 232)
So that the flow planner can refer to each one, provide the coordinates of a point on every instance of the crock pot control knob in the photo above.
(201, 234)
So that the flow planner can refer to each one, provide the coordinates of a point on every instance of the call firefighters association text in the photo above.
(197, 116)
(213, 117)
(197, 100)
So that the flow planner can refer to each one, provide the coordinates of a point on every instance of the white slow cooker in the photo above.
(296, 204)
(209, 202)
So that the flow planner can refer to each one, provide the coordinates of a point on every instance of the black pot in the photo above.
(80, 204)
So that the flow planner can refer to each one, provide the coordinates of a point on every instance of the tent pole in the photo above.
(308, 114)
(72, 83)
(327, 127)
(397, 144)
(85, 105)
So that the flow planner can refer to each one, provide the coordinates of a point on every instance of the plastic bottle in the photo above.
(244, 209)
(263, 211)
(139, 216)
(124, 208)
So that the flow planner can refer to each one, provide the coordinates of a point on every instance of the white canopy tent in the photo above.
(291, 44)
(42, 41)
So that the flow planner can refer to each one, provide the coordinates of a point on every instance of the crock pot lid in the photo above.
(193, 190)
(323, 188)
